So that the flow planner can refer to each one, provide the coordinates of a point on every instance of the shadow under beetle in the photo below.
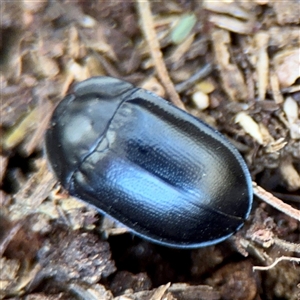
(161, 172)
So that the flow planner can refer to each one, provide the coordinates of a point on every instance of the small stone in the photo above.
(201, 100)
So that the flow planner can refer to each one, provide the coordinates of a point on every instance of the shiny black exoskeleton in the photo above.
(160, 171)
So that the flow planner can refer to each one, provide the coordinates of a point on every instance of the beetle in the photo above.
(163, 173)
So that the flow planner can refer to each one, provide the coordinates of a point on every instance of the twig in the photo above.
(200, 74)
(275, 202)
(287, 246)
(150, 35)
(282, 258)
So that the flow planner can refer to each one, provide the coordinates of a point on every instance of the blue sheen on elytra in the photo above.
(161, 172)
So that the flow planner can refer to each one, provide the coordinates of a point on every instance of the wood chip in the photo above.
(232, 78)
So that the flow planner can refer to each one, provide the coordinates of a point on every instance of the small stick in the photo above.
(282, 258)
(200, 74)
(287, 246)
(275, 202)
(156, 54)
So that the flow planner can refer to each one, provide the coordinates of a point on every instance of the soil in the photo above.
(234, 64)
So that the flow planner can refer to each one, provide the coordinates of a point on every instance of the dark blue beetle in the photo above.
(163, 173)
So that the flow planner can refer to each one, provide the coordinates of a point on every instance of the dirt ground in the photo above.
(233, 64)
